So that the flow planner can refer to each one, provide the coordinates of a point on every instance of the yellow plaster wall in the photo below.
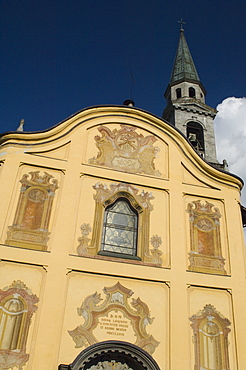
(171, 292)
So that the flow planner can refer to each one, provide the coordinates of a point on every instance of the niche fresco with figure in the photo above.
(211, 331)
(17, 305)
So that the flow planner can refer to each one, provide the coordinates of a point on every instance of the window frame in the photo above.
(192, 92)
(178, 93)
(120, 227)
(139, 200)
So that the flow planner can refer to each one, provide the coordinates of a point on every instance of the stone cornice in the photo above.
(195, 110)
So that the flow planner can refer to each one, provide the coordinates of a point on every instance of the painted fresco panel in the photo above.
(32, 209)
(211, 317)
(127, 148)
(20, 294)
(206, 235)
(106, 308)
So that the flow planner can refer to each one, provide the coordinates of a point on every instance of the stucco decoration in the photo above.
(110, 365)
(211, 331)
(205, 254)
(141, 202)
(82, 248)
(156, 253)
(31, 221)
(17, 305)
(100, 313)
(126, 150)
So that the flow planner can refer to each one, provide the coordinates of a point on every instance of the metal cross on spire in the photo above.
(181, 24)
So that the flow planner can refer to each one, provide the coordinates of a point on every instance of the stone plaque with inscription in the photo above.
(114, 318)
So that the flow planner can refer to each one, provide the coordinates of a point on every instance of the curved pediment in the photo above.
(118, 138)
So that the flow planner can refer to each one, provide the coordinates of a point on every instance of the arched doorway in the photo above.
(112, 355)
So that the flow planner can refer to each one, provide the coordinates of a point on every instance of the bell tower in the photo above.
(186, 108)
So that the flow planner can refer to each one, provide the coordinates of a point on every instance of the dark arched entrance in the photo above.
(112, 355)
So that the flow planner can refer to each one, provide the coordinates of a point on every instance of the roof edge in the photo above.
(41, 135)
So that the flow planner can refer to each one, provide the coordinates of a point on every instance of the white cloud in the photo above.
(230, 131)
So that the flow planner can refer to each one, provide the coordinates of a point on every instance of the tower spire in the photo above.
(186, 108)
(184, 67)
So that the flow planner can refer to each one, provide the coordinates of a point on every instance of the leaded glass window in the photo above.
(120, 228)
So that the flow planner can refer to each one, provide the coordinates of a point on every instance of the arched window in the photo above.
(192, 92)
(120, 228)
(194, 132)
(120, 211)
(178, 93)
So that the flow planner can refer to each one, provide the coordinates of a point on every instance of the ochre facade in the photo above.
(114, 229)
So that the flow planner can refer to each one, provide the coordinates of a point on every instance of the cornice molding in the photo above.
(119, 114)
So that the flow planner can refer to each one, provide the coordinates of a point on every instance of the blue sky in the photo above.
(58, 57)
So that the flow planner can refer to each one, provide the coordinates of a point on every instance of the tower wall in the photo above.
(182, 117)
(185, 97)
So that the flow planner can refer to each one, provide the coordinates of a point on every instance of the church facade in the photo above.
(121, 240)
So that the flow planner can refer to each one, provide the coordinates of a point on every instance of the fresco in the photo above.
(113, 316)
(31, 221)
(126, 150)
(17, 305)
(205, 254)
(211, 331)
